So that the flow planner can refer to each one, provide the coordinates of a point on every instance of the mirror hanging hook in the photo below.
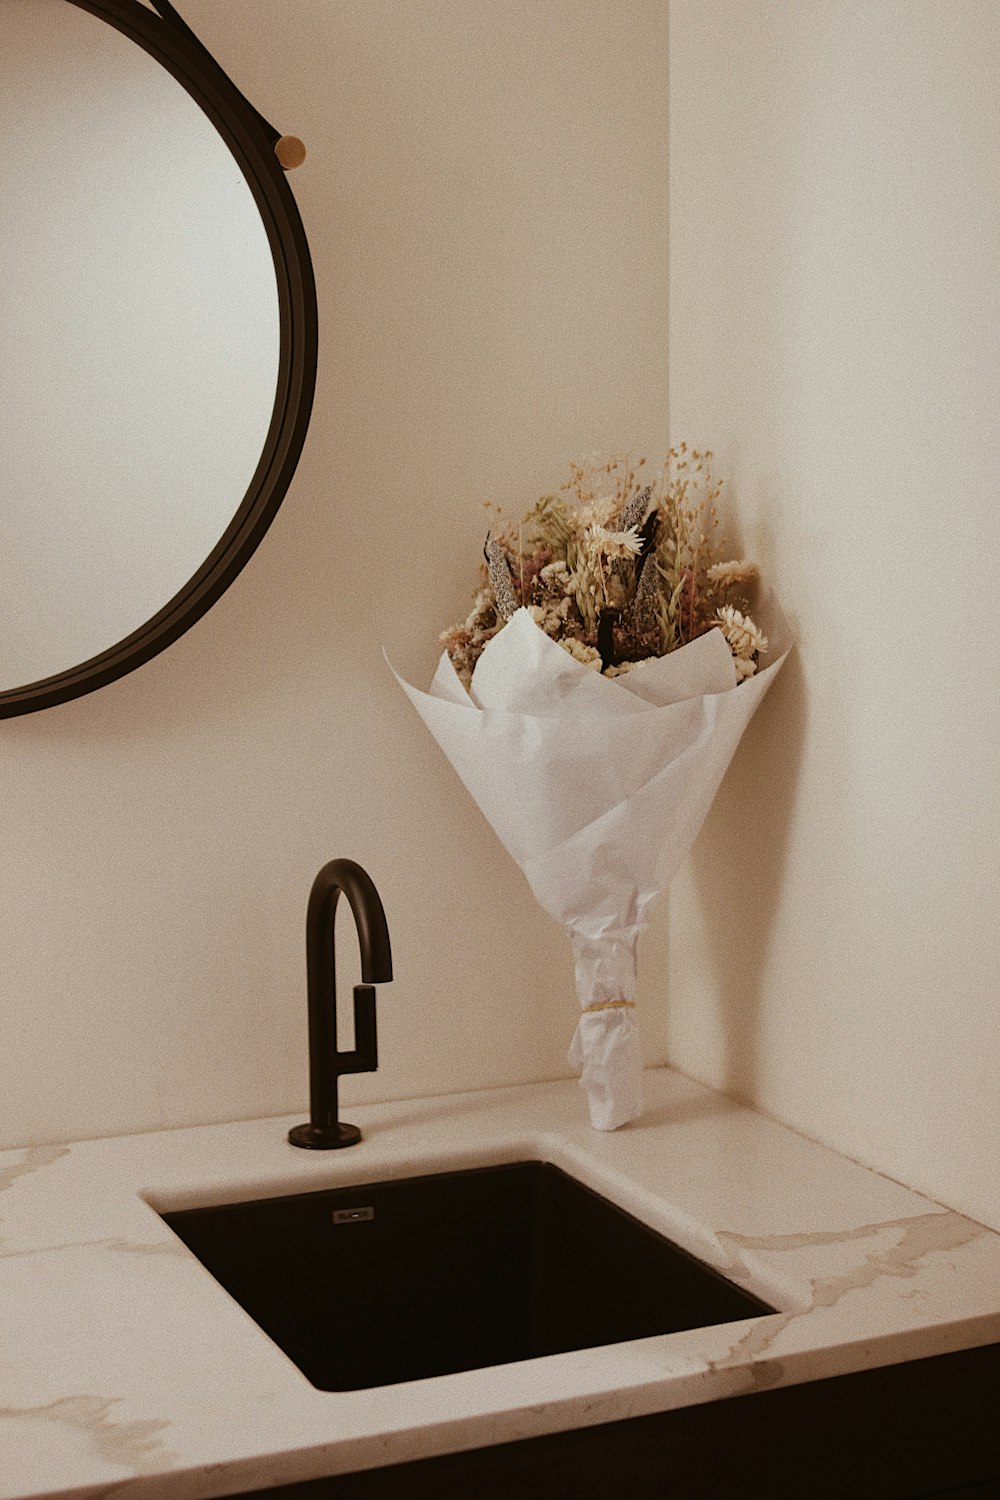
(289, 149)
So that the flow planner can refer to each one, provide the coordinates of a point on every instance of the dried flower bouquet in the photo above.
(591, 703)
(620, 573)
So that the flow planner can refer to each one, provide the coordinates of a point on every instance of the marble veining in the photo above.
(927, 1234)
(919, 1237)
(126, 1371)
(939, 1230)
(136, 1445)
(118, 1246)
(32, 1160)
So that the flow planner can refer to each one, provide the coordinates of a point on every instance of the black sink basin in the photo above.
(366, 1286)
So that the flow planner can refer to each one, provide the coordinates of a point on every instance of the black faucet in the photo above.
(324, 1131)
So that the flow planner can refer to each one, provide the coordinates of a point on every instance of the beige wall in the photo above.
(485, 198)
(486, 203)
(834, 292)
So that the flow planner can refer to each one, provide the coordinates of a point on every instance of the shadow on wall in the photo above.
(739, 867)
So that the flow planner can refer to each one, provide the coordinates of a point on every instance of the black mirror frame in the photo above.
(251, 140)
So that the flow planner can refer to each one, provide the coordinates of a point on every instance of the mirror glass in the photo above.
(140, 337)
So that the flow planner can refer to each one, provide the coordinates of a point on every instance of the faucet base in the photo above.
(324, 1137)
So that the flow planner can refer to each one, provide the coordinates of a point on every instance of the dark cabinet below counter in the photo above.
(929, 1428)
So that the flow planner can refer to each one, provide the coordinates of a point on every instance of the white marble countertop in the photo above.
(125, 1367)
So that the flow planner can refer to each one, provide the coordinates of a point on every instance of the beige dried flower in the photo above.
(612, 544)
(745, 640)
(580, 652)
(548, 617)
(626, 666)
(726, 575)
(557, 575)
(482, 612)
(598, 511)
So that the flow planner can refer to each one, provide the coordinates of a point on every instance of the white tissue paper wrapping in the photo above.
(597, 787)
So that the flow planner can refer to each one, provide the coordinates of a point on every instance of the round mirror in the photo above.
(159, 337)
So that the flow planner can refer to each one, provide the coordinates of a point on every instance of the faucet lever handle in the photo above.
(364, 1058)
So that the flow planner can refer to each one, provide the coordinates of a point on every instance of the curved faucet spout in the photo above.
(325, 1131)
(369, 918)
